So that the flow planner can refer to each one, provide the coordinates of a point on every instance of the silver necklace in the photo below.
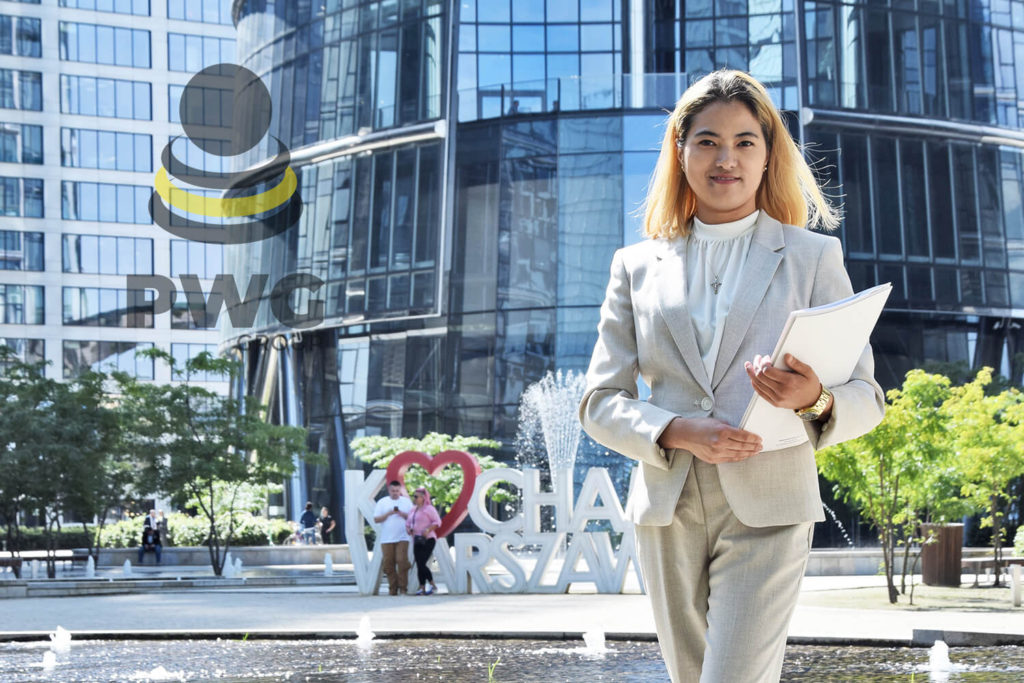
(716, 284)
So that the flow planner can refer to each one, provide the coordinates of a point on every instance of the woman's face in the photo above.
(417, 499)
(723, 159)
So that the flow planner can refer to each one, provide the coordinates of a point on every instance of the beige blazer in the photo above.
(646, 329)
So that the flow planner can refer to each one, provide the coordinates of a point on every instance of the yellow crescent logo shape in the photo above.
(226, 207)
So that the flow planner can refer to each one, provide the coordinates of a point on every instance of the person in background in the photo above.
(150, 521)
(161, 526)
(391, 512)
(308, 524)
(150, 543)
(326, 525)
(423, 524)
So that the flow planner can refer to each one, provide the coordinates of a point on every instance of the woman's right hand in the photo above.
(711, 440)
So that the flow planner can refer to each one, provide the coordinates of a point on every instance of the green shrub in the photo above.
(123, 534)
(185, 530)
(280, 530)
(69, 538)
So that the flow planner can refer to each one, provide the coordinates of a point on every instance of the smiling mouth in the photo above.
(724, 178)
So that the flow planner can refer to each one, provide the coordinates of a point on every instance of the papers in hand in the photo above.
(830, 338)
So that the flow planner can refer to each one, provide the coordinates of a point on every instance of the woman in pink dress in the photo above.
(422, 525)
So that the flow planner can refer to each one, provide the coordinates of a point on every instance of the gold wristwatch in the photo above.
(814, 411)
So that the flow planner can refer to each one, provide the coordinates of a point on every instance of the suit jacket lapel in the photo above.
(671, 279)
(763, 260)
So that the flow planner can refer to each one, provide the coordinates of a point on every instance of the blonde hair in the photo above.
(789, 192)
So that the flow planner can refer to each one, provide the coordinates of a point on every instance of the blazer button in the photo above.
(706, 403)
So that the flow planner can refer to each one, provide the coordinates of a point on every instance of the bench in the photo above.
(977, 564)
(12, 562)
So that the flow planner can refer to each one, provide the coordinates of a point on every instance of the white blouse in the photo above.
(715, 255)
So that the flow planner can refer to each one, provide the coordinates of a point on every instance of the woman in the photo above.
(422, 525)
(723, 530)
(161, 526)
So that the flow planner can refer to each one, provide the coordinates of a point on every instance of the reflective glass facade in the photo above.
(462, 262)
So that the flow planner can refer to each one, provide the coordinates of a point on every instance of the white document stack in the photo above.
(830, 338)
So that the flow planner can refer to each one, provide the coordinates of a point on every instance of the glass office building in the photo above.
(87, 103)
(469, 167)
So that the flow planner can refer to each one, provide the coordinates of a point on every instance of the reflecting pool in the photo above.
(510, 661)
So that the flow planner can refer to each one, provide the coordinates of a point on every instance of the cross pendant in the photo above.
(716, 284)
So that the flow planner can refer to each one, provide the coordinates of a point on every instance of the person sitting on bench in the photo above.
(150, 543)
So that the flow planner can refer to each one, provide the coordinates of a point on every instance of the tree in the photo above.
(988, 437)
(897, 474)
(444, 486)
(24, 395)
(84, 473)
(58, 440)
(209, 448)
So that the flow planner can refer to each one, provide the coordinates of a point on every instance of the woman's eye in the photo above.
(706, 143)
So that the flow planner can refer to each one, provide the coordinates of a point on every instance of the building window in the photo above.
(107, 255)
(21, 197)
(21, 143)
(21, 250)
(139, 8)
(195, 53)
(80, 356)
(107, 97)
(21, 90)
(98, 44)
(25, 350)
(182, 353)
(206, 11)
(182, 317)
(189, 257)
(102, 307)
(106, 149)
(105, 202)
(21, 304)
(21, 36)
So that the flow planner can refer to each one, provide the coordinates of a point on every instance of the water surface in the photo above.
(417, 660)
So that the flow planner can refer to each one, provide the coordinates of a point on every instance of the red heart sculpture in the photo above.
(470, 469)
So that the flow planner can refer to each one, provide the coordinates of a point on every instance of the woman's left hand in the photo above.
(795, 388)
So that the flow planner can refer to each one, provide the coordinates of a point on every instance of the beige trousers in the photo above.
(722, 593)
(398, 576)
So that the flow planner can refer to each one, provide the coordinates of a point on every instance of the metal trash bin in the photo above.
(940, 560)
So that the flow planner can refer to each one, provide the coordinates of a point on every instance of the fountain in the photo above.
(256, 660)
(939, 666)
(228, 570)
(49, 660)
(364, 634)
(328, 565)
(839, 524)
(548, 419)
(126, 569)
(594, 642)
(60, 641)
(90, 568)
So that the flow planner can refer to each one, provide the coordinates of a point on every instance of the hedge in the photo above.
(194, 531)
(69, 537)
